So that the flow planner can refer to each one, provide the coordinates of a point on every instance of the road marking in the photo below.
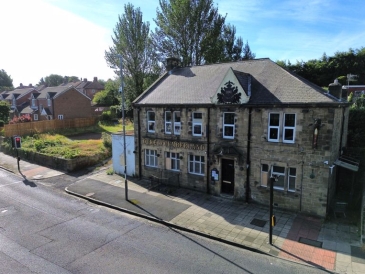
(11, 184)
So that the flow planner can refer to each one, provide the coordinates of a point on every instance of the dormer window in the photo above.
(49, 103)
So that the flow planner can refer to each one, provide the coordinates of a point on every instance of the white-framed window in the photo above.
(289, 128)
(274, 127)
(279, 173)
(49, 102)
(13, 104)
(228, 125)
(168, 122)
(196, 164)
(197, 124)
(34, 102)
(286, 123)
(172, 122)
(177, 122)
(151, 157)
(35, 117)
(292, 176)
(172, 161)
(150, 121)
(264, 174)
(60, 117)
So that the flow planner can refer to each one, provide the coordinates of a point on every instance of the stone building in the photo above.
(227, 128)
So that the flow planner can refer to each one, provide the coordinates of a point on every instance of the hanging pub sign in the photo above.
(317, 126)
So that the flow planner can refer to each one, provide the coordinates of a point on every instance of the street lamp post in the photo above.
(121, 90)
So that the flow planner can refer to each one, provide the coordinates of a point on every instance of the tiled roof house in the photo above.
(227, 128)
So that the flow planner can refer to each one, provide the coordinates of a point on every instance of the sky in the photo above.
(70, 37)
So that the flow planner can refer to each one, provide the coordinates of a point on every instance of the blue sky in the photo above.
(69, 37)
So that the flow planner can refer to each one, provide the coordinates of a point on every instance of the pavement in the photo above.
(334, 246)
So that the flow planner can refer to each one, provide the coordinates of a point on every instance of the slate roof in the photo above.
(54, 92)
(270, 84)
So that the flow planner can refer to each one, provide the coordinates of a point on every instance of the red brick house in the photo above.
(61, 102)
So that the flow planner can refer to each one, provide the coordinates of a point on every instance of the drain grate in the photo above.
(310, 242)
(258, 222)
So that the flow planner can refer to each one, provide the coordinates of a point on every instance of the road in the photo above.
(44, 230)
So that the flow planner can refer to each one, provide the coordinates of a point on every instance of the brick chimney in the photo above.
(85, 80)
(171, 63)
(95, 79)
(21, 85)
(30, 85)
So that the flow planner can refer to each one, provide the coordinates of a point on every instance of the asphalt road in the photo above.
(44, 230)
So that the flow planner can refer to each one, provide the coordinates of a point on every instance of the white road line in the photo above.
(12, 184)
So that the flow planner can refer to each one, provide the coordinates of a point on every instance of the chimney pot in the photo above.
(171, 63)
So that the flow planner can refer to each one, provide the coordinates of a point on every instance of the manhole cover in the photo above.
(310, 242)
(258, 222)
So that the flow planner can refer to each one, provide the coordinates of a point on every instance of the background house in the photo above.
(226, 129)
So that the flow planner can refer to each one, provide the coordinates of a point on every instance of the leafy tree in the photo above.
(4, 111)
(323, 71)
(190, 30)
(109, 96)
(131, 41)
(6, 83)
(51, 80)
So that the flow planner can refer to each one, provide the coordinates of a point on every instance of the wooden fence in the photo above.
(47, 126)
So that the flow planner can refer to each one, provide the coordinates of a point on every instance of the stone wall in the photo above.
(67, 165)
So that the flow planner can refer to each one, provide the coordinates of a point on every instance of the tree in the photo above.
(52, 80)
(247, 53)
(131, 41)
(4, 111)
(6, 83)
(109, 96)
(190, 30)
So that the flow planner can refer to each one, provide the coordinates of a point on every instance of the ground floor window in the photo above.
(292, 175)
(264, 175)
(279, 173)
(35, 117)
(285, 177)
(151, 158)
(196, 164)
(172, 161)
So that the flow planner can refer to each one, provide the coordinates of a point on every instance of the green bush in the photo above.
(107, 140)
(2, 123)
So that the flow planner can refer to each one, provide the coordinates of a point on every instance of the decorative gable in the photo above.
(231, 91)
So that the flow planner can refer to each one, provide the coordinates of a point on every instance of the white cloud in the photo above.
(42, 39)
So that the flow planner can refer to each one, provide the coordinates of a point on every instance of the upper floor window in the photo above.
(228, 125)
(13, 102)
(196, 164)
(151, 157)
(168, 122)
(288, 127)
(172, 122)
(197, 124)
(177, 122)
(34, 102)
(150, 121)
(49, 102)
(172, 161)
